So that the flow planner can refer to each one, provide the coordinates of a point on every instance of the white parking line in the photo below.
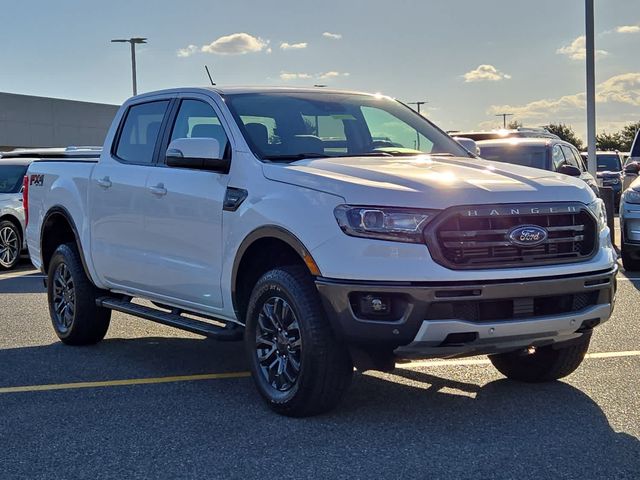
(484, 361)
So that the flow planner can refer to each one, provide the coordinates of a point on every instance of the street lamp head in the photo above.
(130, 40)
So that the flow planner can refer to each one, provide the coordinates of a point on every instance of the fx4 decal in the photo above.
(36, 180)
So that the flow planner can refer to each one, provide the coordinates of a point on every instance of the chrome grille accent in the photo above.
(474, 238)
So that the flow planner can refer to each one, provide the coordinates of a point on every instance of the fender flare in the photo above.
(62, 211)
(266, 231)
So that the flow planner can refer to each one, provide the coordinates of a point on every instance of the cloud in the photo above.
(332, 74)
(623, 88)
(487, 73)
(620, 89)
(577, 50)
(287, 76)
(293, 46)
(235, 44)
(333, 36)
(187, 51)
(628, 29)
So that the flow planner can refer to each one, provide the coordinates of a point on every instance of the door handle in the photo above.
(105, 182)
(158, 190)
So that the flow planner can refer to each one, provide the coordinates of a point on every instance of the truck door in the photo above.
(117, 194)
(184, 216)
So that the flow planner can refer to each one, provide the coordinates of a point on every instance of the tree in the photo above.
(627, 134)
(514, 124)
(566, 133)
(608, 141)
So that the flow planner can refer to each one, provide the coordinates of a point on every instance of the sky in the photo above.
(469, 59)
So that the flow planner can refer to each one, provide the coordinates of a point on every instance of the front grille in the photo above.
(509, 309)
(472, 237)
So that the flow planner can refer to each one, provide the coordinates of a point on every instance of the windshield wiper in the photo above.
(293, 157)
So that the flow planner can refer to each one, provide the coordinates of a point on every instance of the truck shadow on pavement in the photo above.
(408, 424)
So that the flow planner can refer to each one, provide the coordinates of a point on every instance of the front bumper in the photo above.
(414, 328)
(630, 223)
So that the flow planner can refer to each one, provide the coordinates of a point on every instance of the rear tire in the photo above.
(10, 245)
(298, 365)
(72, 300)
(545, 364)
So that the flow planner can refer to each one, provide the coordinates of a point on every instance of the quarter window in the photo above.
(140, 132)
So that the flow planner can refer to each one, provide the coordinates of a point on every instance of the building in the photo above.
(28, 122)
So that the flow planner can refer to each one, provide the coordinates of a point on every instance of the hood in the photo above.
(429, 182)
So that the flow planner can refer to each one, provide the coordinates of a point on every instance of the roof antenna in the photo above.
(209, 74)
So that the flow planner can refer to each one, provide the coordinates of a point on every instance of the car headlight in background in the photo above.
(631, 196)
(395, 224)
(600, 212)
(611, 181)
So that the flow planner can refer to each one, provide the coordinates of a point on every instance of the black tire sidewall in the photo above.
(59, 257)
(90, 322)
(266, 289)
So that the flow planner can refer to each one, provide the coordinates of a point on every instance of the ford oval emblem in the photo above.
(528, 235)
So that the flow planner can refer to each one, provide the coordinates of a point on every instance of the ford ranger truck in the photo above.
(328, 230)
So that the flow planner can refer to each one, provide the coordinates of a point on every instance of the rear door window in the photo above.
(140, 132)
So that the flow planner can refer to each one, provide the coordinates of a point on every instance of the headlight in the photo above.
(631, 196)
(600, 212)
(611, 181)
(395, 224)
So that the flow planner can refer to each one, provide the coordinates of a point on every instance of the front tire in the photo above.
(298, 365)
(545, 364)
(10, 245)
(72, 300)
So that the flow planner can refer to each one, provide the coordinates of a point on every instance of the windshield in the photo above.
(291, 126)
(529, 156)
(608, 162)
(11, 178)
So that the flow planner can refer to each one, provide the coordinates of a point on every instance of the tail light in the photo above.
(25, 198)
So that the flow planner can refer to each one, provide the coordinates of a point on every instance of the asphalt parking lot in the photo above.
(154, 402)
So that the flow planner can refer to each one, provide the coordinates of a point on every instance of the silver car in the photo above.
(12, 219)
(630, 226)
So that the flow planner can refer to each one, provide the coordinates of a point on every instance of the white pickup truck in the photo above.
(328, 230)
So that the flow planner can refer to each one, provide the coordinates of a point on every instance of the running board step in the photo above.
(171, 319)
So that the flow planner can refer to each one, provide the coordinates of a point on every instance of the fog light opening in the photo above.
(377, 306)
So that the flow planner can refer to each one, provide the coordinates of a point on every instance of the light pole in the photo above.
(591, 88)
(504, 118)
(132, 41)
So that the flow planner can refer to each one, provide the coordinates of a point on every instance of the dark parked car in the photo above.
(609, 166)
(546, 153)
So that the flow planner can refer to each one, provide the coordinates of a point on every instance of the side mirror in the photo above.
(570, 170)
(197, 153)
(468, 144)
(632, 168)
